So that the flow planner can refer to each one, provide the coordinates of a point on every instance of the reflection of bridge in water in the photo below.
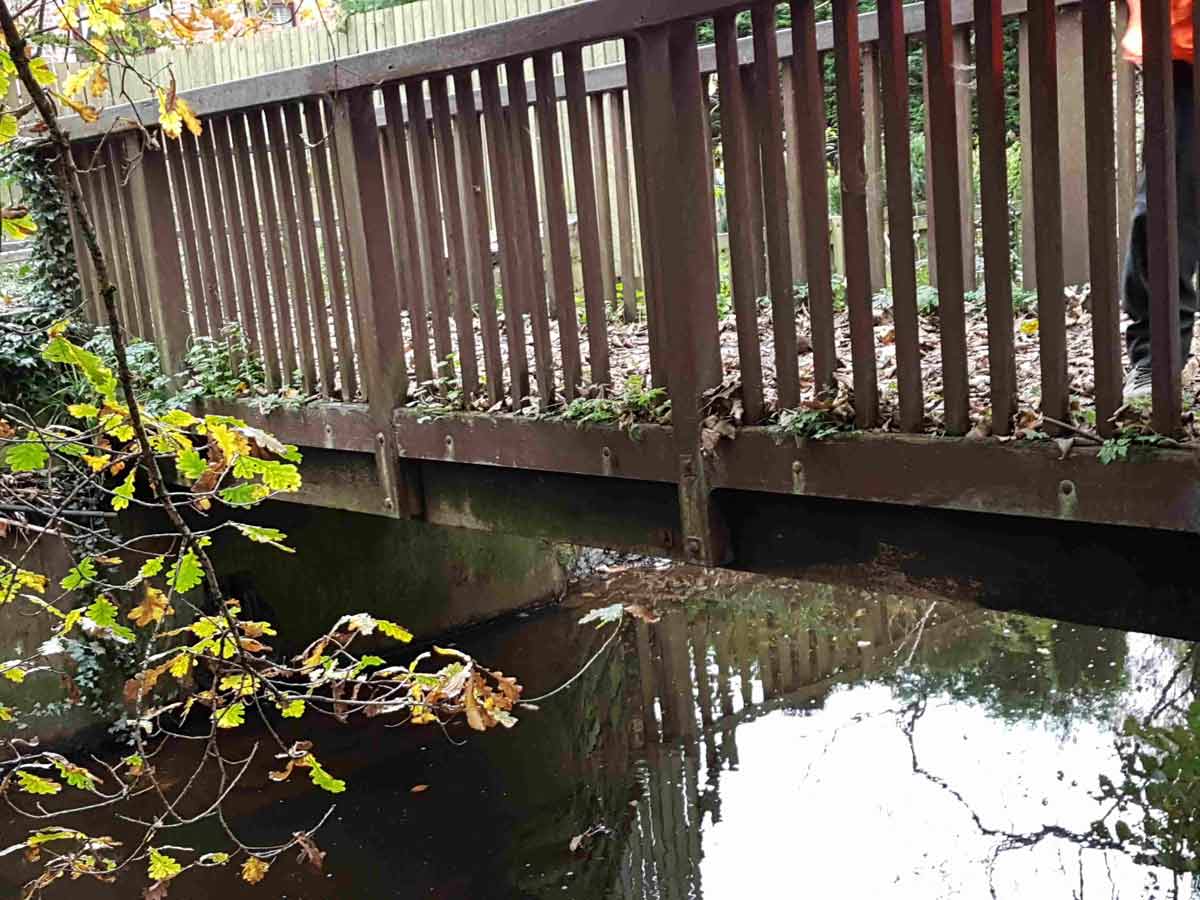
(700, 676)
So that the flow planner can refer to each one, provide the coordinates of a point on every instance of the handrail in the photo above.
(584, 23)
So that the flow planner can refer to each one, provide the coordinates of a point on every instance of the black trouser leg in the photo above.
(1135, 289)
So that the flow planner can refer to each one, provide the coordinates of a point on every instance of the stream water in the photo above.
(763, 739)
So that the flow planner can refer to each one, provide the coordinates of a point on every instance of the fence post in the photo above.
(679, 222)
(154, 221)
(374, 295)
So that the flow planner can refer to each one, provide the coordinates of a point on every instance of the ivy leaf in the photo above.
(263, 535)
(124, 493)
(36, 784)
(163, 867)
(230, 716)
(78, 576)
(28, 456)
(254, 870)
(185, 573)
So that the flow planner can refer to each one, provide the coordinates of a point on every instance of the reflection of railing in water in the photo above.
(701, 680)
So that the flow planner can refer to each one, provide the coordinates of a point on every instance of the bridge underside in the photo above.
(1014, 524)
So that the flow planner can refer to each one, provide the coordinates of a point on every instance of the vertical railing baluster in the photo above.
(429, 209)
(947, 202)
(526, 215)
(769, 113)
(479, 240)
(993, 181)
(893, 61)
(1047, 203)
(855, 229)
(506, 233)
(739, 154)
(154, 225)
(1103, 253)
(600, 154)
(810, 126)
(410, 263)
(622, 179)
(562, 285)
(587, 215)
(464, 323)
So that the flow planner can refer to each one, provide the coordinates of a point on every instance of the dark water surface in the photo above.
(764, 739)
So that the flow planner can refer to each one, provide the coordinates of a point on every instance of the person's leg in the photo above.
(1189, 210)
(1135, 282)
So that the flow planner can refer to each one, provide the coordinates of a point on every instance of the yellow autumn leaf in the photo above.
(254, 870)
(77, 81)
(189, 117)
(152, 608)
(85, 111)
(1029, 327)
(181, 665)
(99, 83)
(97, 463)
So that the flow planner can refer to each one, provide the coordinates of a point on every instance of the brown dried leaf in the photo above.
(309, 852)
(157, 891)
(641, 612)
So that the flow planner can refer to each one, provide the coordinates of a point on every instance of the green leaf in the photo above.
(124, 493)
(394, 631)
(36, 784)
(262, 535)
(293, 710)
(103, 612)
(8, 128)
(76, 776)
(365, 663)
(179, 418)
(54, 834)
(78, 576)
(41, 71)
(29, 456)
(605, 615)
(22, 227)
(243, 494)
(163, 867)
(230, 716)
(83, 410)
(185, 573)
(322, 778)
(152, 567)
(190, 463)
(99, 376)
